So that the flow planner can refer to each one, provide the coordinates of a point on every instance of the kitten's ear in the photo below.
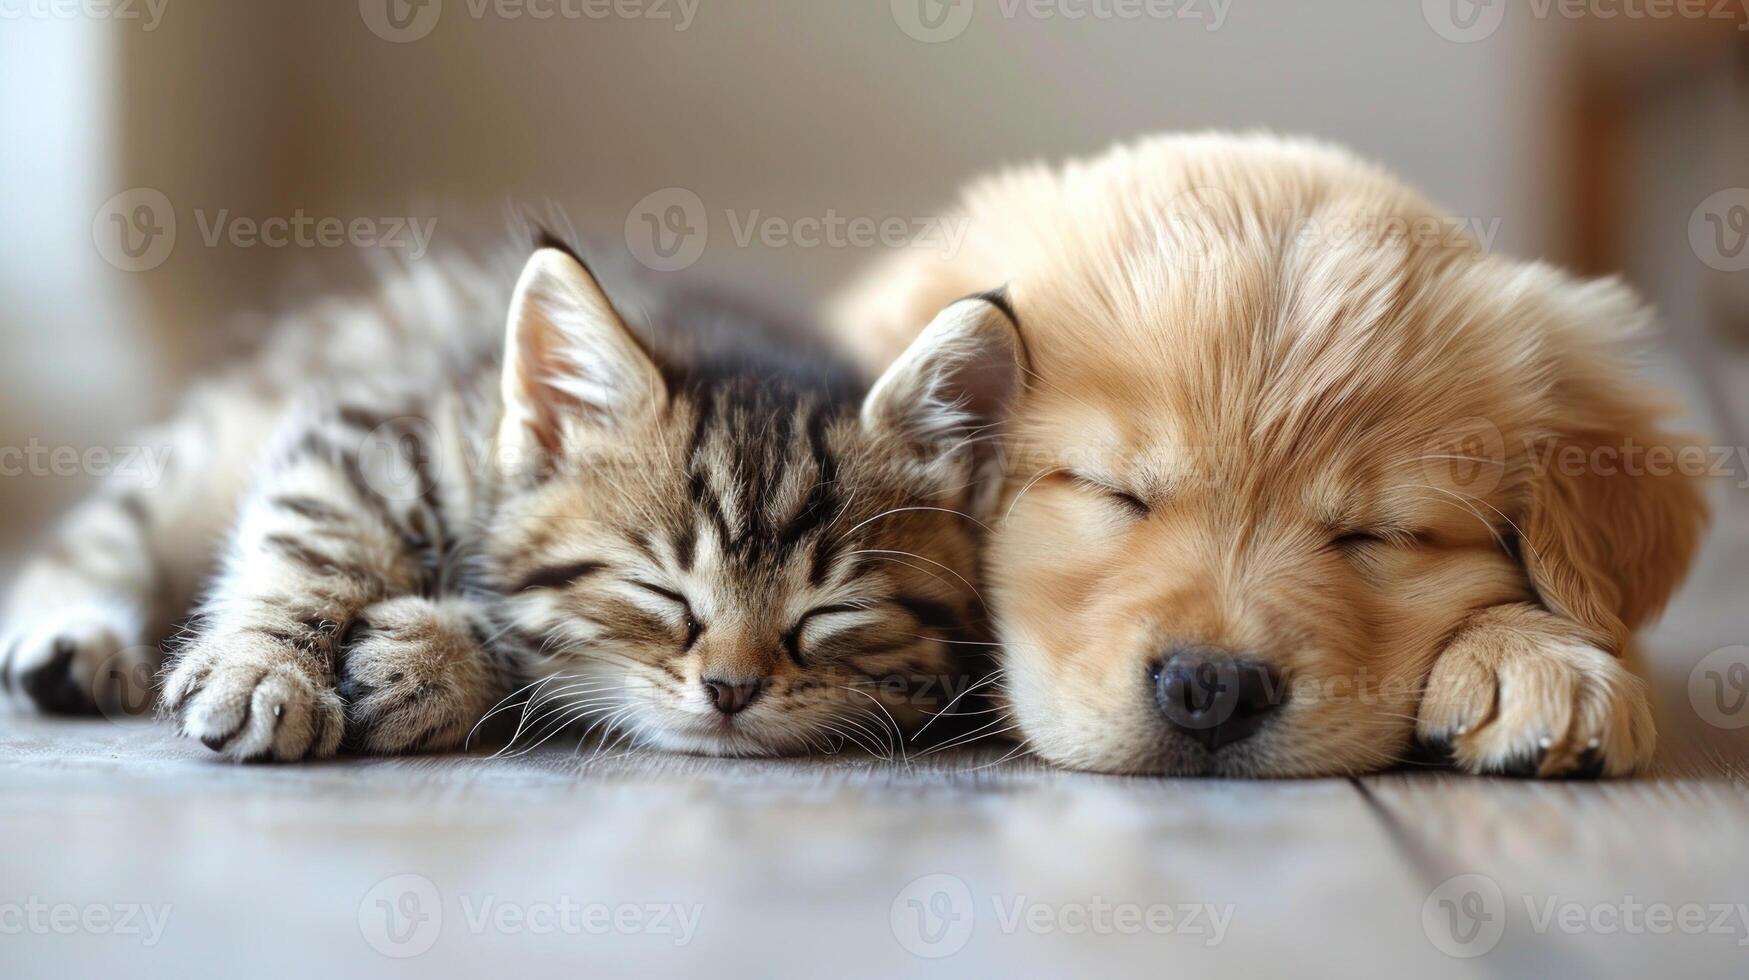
(570, 363)
(961, 374)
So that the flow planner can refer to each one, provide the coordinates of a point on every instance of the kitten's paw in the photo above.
(412, 677)
(1535, 703)
(80, 659)
(249, 701)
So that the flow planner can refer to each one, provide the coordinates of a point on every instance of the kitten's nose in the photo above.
(1215, 697)
(731, 696)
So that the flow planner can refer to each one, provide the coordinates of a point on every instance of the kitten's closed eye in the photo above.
(817, 624)
(694, 626)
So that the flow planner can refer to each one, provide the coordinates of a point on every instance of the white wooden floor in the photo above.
(460, 866)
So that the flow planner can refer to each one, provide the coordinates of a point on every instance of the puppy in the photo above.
(1302, 474)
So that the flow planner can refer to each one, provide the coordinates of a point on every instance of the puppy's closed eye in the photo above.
(1133, 505)
(1350, 540)
(1354, 540)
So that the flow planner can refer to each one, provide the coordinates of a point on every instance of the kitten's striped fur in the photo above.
(693, 531)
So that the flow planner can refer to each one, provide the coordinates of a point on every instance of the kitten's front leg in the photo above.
(416, 675)
(318, 543)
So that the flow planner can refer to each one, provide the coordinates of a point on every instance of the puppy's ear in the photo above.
(571, 365)
(1612, 521)
(960, 376)
(880, 313)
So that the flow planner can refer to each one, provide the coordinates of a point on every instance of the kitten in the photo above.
(698, 533)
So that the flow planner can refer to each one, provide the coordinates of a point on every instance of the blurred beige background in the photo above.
(1591, 142)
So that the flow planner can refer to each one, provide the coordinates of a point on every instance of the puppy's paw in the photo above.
(250, 700)
(412, 678)
(79, 659)
(1523, 699)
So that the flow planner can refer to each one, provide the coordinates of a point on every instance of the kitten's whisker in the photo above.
(502, 706)
(903, 510)
(948, 709)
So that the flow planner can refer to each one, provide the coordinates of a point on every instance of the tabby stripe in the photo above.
(558, 576)
(294, 550)
(309, 508)
(821, 497)
(686, 547)
(362, 419)
(932, 614)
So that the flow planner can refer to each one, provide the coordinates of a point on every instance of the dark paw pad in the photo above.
(54, 687)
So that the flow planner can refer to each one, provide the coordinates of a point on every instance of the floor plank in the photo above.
(792, 863)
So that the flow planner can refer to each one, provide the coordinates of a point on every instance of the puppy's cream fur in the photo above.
(1278, 406)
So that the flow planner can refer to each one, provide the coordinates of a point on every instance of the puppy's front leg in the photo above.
(1521, 691)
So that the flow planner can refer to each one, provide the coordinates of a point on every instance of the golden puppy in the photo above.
(1302, 473)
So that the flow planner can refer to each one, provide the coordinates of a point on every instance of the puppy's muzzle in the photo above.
(1215, 697)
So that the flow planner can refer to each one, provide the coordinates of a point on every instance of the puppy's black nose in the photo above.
(731, 697)
(1215, 697)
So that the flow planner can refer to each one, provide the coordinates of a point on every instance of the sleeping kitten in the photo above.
(690, 531)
